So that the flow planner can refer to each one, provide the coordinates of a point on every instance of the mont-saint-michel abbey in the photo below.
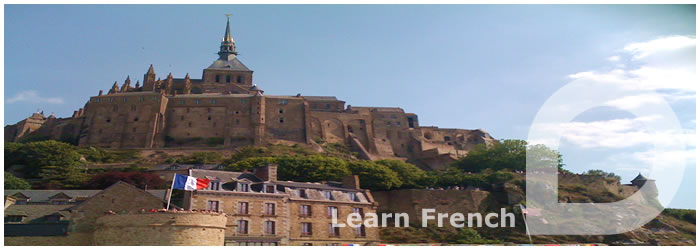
(226, 109)
(217, 160)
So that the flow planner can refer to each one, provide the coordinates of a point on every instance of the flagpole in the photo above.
(171, 192)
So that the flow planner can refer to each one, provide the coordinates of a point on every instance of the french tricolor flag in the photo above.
(185, 182)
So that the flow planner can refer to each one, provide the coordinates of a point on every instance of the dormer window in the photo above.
(302, 193)
(243, 187)
(214, 185)
(270, 189)
(353, 197)
(328, 195)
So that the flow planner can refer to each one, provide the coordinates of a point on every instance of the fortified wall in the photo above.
(161, 229)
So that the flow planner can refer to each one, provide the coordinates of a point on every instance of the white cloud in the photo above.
(665, 65)
(644, 49)
(615, 133)
(32, 96)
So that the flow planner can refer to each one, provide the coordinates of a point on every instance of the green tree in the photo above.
(250, 163)
(375, 176)
(311, 168)
(14, 182)
(13, 154)
(63, 177)
(508, 154)
(410, 175)
(37, 155)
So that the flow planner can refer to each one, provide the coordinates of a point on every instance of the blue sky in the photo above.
(483, 66)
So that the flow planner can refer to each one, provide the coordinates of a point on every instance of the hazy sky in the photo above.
(478, 66)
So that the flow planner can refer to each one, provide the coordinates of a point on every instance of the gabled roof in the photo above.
(233, 65)
(45, 195)
(60, 195)
(157, 194)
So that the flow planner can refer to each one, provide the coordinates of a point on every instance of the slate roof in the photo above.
(224, 176)
(639, 177)
(177, 166)
(44, 195)
(234, 65)
(324, 186)
(39, 196)
(36, 211)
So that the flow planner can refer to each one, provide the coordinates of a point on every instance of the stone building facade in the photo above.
(225, 109)
(265, 211)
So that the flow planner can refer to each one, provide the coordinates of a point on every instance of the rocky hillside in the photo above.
(672, 227)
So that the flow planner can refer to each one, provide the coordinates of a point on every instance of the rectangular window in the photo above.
(360, 231)
(239, 79)
(243, 187)
(133, 107)
(306, 229)
(359, 211)
(154, 98)
(269, 227)
(124, 99)
(305, 211)
(332, 211)
(244, 101)
(196, 101)
(283, 101)
(243, 227)
(218, 78)
(243, 207)
(213, 205)
(182, 102)
(333, 230)
(212, 101)
(97, 99)
(269, 208)
(141, 99)
(301, 193)
(228, 78)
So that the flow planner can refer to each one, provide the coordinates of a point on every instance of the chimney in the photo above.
(351, 181)
(267, 173)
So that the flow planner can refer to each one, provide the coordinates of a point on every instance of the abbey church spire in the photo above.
(228, 45)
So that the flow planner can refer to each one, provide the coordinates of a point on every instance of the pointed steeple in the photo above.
(149, 79)
(138, 84)
(227, 34)
(188, 85)
(126, 85)
(227, 50)
(115, 88)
